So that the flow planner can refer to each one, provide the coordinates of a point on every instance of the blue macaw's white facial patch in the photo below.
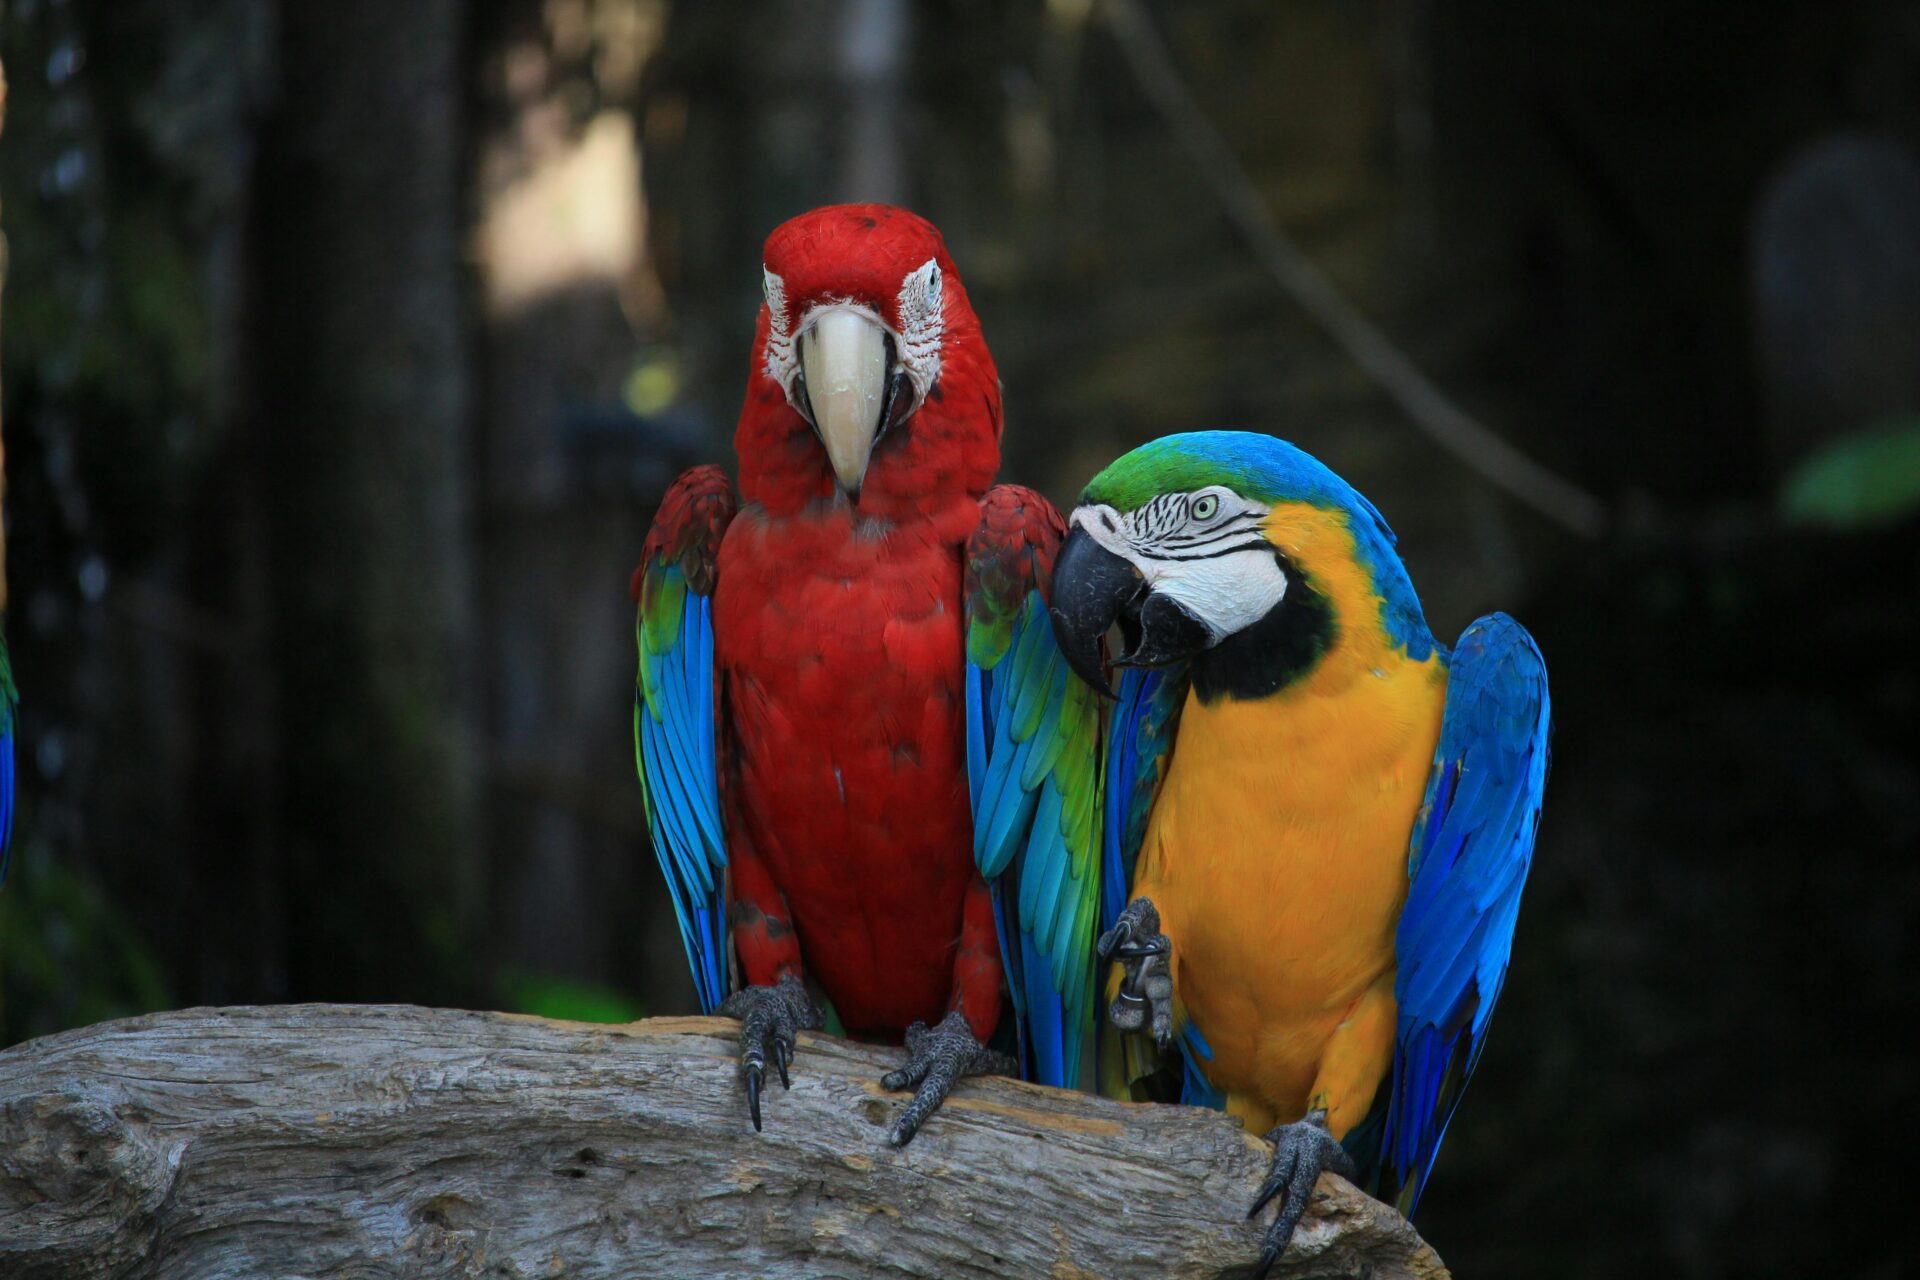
(1206, 550)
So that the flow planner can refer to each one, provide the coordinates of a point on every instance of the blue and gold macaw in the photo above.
(1323, 818)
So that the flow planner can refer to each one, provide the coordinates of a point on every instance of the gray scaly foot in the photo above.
(937, 1057)
(770, 1018)
(1146, 992)
(1302, 1151)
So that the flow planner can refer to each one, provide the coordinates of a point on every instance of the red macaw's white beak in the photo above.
(843, 357)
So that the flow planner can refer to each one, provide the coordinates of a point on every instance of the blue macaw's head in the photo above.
(1234, 548)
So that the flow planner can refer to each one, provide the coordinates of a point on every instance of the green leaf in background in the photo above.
(548, 995)
(1867, 479)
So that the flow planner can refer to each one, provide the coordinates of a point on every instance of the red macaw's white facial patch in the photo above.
(780, 361)
(923, 326)
(1206, 550)
(918, 326)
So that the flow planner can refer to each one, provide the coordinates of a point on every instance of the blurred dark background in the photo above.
(349, 346)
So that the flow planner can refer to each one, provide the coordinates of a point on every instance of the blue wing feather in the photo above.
(9, 705)
(976, 744)
(1468, 862)
(1022, 831)
(1139, 739)
(1032, 747)
(1045, 1033)
(1195, 1089)
(675, 717)
(6, 798)
(1006, 809)
(1042, 881)
(680, 779)
(1140, 736)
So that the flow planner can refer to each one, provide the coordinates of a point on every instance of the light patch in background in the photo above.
(574, 216)
(653, 385)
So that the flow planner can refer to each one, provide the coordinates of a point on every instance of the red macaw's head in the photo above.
(871, 386)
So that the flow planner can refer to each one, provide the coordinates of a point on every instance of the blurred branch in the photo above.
(340, 1140)
(1452, 427)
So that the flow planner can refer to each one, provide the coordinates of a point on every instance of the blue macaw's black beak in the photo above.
(1092, 590)
(1167, 634)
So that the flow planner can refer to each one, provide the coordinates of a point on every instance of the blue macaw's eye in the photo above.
(1205, 506)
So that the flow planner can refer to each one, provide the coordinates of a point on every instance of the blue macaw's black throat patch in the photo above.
(1282, 647)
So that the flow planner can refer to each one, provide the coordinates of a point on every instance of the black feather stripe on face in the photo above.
(1238, 524)
(1253, 544)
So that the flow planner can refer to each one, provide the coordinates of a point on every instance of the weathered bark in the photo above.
(396, 1141)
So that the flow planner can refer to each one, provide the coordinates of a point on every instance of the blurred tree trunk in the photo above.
(3, 442)
(358, 414)
(569, 474)
(872, 65)
(756, 112)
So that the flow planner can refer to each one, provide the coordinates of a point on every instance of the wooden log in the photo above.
(389, 1141)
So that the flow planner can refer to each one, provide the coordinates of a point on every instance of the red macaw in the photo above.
(856, 735)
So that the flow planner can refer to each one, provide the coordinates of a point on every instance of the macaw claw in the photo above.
(770, 1018)
(1146, 992)
(937, 1057)
(1302, 1151)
